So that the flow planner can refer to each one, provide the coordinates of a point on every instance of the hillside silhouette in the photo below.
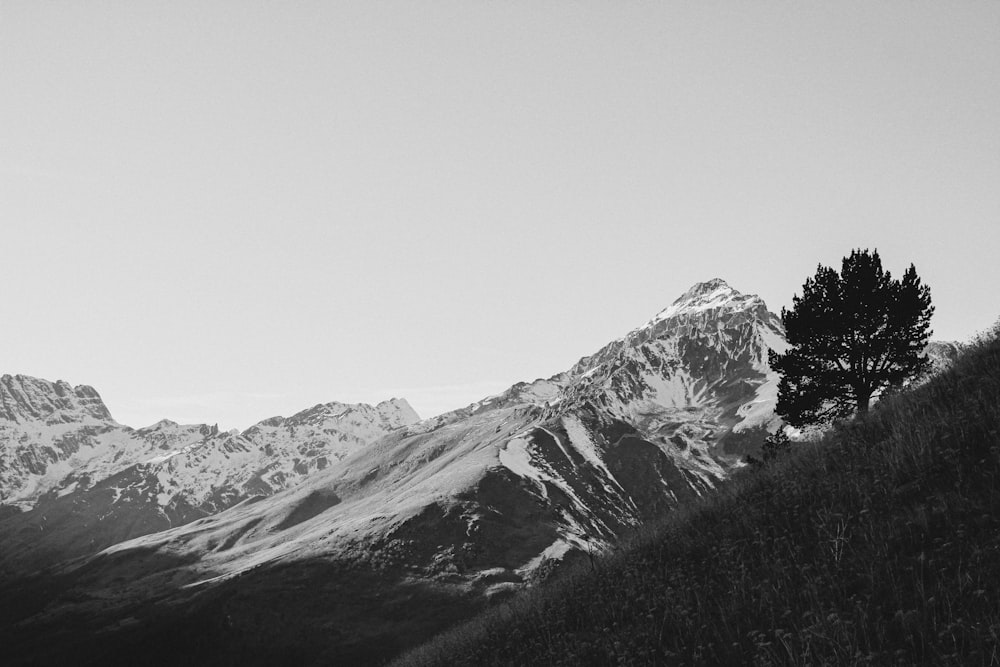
(877, 545)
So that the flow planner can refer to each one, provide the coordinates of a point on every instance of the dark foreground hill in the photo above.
(879, 545)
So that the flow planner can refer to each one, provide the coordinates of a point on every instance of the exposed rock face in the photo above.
(465, 507)
(92, 482)
(489, 497)
(468, 506)
(220, 469)
(28, 399)
(49, 431)
(694, 375)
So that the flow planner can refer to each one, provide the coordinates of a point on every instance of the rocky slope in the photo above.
(475, 503)
(92, 482)
(50, 430)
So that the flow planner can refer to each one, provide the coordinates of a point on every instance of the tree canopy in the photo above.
(852, 335)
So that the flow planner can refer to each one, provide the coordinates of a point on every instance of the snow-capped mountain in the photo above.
(480, 501)
(26, 399)
(94, 482)
(49, 431)
(223, 468)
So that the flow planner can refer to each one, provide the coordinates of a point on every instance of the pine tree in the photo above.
(852, 335)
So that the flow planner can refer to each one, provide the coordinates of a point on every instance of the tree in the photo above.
(851, 336)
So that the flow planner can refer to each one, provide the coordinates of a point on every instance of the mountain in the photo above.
(92, 482)
(876, 546)
(449, 512)
(943, 354)
(50, 431)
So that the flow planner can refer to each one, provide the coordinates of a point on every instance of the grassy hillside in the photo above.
(879, 545)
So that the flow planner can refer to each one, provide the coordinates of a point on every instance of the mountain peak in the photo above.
(25, 398)
(393, 413)
(703, 296)
(707, 288)
(398, 411)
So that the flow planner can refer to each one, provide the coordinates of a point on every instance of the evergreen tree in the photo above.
(852, 335)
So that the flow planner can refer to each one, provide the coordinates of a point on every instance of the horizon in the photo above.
(221, 213)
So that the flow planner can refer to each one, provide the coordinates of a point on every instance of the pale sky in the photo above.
(224, 211)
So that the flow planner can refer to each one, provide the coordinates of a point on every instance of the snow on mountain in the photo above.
(708, 350)
(463, 507)
(459, 509)
(54, 437)
(94, 482)
(28, 399)
(497, 492)
(225, 468)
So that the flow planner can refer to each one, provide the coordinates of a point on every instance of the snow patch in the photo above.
(69, 489)
(718, 297)
(554, 551)
(579, 437)
(515, 457)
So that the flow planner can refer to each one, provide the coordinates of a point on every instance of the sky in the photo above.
(224, 211)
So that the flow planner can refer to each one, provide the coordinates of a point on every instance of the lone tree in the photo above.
(852, 335)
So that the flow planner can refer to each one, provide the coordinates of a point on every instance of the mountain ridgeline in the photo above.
(349, 533)
(91, 482)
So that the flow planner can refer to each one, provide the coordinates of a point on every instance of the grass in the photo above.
(878, 545)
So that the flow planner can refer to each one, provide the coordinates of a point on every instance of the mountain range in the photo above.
(349, 532)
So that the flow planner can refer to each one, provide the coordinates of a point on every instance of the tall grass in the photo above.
(878, 545)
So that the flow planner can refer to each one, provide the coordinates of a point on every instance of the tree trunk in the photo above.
(863, 397)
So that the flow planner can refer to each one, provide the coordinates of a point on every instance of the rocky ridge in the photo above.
(92, 482)
(479, 502)
(464, 507)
